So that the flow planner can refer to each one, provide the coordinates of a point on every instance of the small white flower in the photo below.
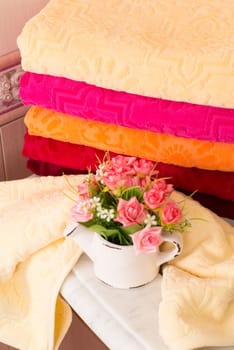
(150, 220)
(96, 200)
(103, 213)
(110, 215)
(100, 173)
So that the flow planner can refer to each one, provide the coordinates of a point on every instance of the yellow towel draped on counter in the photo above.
(197, 307)
(197, 290)
(142, 143)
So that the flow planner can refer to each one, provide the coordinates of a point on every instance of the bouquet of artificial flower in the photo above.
(127, 203)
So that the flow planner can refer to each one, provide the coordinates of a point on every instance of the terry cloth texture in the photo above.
(159, 147)
(181, 52)
(130, 110)
(197, 289)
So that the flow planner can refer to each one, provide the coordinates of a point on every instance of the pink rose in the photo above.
(87, 187)
(147, 240)
(145, 181)
(144, 167)
(142, 182)
(161, 185)
(122, 164)
(154, 198)
(119, 172)
(82, 211)
(113, 180)
(83, 190)
(171, 213)
(130, 212)
(136, 181)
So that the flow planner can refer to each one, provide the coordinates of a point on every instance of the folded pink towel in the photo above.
(130, 110)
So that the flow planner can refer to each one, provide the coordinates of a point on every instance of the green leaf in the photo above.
(124, 240)
(88, 223)
(131, 229)
(107, 232)
(114, 235)
(131, 192)
(107, 200)
(97, 228)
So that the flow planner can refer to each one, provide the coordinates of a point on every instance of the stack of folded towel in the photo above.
(142, 78)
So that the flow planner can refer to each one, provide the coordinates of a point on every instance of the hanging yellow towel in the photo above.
(34, 261)
(177, 50)
(141, 143)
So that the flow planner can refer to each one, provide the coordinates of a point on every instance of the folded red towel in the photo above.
(80, 157)
(219, 206)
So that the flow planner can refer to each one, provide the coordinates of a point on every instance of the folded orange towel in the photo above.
(142, 143)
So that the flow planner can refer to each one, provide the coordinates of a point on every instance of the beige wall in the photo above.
(13, 15)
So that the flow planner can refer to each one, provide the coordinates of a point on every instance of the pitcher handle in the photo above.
(82, 235)
(70, 228)
(176, 240)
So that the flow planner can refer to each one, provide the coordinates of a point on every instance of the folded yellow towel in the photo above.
(177, 50)
(34, 261)
(196, 312)
(197, 290)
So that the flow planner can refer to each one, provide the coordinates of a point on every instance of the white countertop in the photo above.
(122, 319)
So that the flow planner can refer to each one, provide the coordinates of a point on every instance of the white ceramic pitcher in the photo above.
(117, 265)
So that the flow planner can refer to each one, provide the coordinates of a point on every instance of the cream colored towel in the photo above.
(177, 50)
(197, 307)
(34, 261)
